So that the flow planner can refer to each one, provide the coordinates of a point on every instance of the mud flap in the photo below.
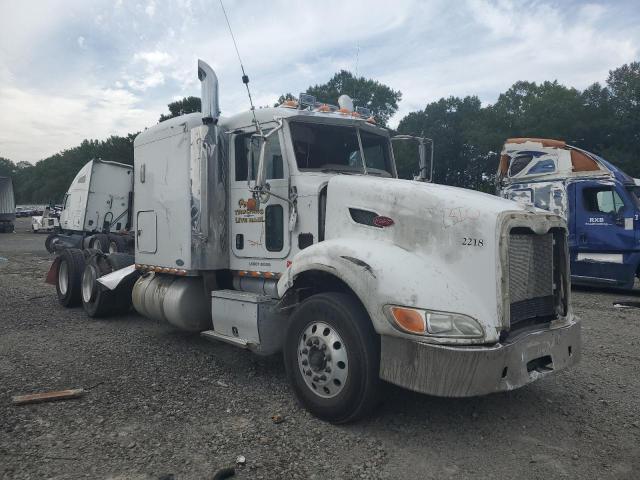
(113, 279)
(52, 274)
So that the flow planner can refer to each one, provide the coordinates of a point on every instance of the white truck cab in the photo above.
(294, 234)
(96, 210)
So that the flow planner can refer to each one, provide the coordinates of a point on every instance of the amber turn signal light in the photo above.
(408, 319)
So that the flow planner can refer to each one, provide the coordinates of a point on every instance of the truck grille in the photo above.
(531, 273)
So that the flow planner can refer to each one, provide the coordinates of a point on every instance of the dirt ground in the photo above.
(164, 404)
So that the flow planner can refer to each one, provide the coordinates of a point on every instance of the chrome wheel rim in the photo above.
(95, 244)
(323, 359)
(88, 283)
(63, 277)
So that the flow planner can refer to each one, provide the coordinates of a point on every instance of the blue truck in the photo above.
(600, 203)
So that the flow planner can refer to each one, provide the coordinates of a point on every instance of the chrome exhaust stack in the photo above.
(209, 93)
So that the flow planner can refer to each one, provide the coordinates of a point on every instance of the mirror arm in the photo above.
(364, 164)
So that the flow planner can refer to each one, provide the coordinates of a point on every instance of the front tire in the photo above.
(332, 357)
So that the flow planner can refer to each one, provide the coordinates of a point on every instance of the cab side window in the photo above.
(274, 228)
(247, 156)
(603, 200)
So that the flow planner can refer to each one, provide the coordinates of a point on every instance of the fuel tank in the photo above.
(180, 301)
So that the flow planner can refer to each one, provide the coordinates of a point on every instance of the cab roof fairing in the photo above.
(583, 163)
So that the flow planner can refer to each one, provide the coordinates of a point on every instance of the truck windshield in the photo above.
(335, 148)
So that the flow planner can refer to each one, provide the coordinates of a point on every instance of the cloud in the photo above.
(150, 9)
(152, 80)
(141, 55)
(62, 121)
(153, 58)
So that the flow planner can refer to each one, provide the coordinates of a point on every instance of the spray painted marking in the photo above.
(456, 215)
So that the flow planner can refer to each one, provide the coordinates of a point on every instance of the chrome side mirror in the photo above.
(262, 164)
(424, 169)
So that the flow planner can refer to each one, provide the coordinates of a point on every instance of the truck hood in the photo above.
(445, 250)
(423, 213)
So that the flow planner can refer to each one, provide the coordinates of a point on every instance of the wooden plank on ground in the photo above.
(47, 396)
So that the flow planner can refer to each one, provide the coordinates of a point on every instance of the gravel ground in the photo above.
(164, 404)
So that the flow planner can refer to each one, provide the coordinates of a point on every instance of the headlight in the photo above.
(434, 324)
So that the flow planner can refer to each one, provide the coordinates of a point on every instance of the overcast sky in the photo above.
(71, 70)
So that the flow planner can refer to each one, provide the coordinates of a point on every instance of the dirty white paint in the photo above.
(443, 251)
(600, 257)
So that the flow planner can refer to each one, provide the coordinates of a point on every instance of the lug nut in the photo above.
(323, 347)
(316, 341)
(323, 377)
(305, 351)
(308, 373)
(328, 369)
(309, 343)
(305, 363)
(316, 378)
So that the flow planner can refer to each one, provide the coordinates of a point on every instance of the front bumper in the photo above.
(461, 371)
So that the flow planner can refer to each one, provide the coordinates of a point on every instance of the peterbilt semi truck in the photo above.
(600, 202)
(7, 205)
(96, 210)
(287, 230)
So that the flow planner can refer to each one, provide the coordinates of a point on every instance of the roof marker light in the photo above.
(306, 100)
(364, 112)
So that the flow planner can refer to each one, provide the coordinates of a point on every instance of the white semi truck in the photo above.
(96, 211)
(287, 229)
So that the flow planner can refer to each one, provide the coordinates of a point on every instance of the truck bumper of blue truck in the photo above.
(465, 371)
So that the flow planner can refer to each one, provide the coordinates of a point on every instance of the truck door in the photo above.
(146, 232)
(260, 232)
(604, 233)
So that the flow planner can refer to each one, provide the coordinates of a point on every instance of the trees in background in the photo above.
(48, 180)
(467, 135)
(7, 167)
(182, 107)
